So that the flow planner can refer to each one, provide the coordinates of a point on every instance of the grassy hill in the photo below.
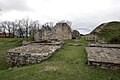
(68, 63)
(108, 32)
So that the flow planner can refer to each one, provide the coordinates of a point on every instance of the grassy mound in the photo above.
(109, 32)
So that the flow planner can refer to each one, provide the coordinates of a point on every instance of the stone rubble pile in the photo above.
(29, 54)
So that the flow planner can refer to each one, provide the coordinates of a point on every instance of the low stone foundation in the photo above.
(29, 54)
(104, 65)
(105, 45)
(104, 56)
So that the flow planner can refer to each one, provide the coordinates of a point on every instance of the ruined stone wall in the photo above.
(75, 34)
(104, 65)
(46, 32)
(61, 31)
(29, 54)
(104, 55)
(105, 45)
(91, 37)
(38, 35)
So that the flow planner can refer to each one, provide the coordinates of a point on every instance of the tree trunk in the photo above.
(9, 33)
(26, 32)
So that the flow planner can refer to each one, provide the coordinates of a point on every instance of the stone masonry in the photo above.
(105, 55)
(31, 53)
(75, 34)
(61, 31)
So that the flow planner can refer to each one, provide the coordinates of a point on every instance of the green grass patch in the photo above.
(110, 33)
(5, 44)
(68, 63)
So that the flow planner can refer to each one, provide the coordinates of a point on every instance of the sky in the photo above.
(85, 15)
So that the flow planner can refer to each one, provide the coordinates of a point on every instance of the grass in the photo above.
(68, 63)
(5, 44)
(110, 32)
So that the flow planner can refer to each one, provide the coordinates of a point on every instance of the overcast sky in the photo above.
(84, 14)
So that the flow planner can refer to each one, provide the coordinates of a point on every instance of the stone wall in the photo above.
(61, 31)
(38, 36)
(46, 32)
(105, 45)
(75, 34)
(104, 65)
(91, 37)
(105, 55)
(31, 53)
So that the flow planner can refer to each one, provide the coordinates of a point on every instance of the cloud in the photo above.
(8, 5)
(84, 14)
(85, 29)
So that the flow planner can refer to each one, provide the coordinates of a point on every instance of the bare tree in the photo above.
(50, 24)
(34, 26)
(3, 27)
(19, 28)
(27, 24)
(0, 23)
(26, 27)
(0, 28)
(8, 27)
(13, 27)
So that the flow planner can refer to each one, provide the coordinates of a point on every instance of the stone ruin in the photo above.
(106, 56)
(92, 37)
(61, 31)
(75, 34)
(31, 53)
(47, 41)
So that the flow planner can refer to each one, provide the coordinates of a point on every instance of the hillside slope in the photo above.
(108, 32)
